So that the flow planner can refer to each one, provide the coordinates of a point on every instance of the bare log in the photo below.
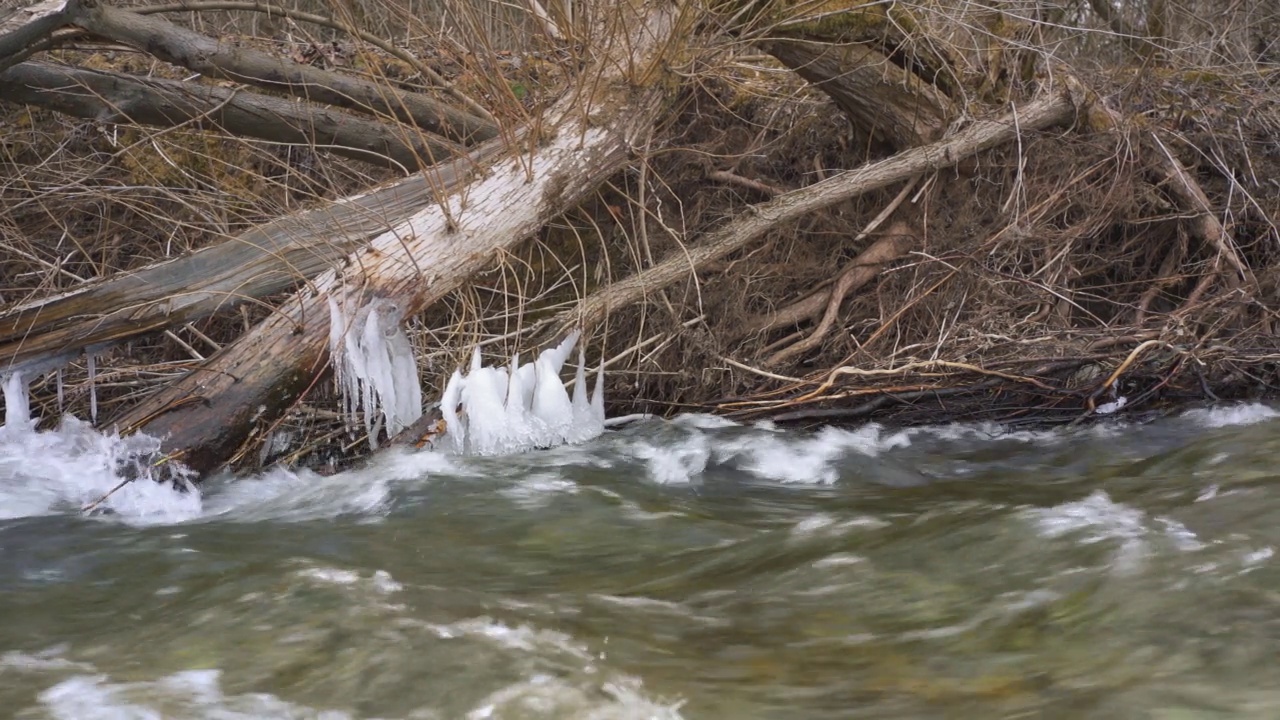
(262, 261)
(116, 98)
(895, 105)
(204, 416)
(1052, 109)
(22, 26)
(226, 61)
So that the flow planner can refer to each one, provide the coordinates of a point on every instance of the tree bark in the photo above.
(23, 26)
(893, 104)
(1052, 109)
(267, 259)
(206, 415)
(227, 61)
(115, 98)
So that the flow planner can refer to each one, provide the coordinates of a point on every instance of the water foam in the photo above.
(1229, 415)
(809, 460)
(190, 693)
(546, 696)
(689, 445)
(1098, 518)
(75, 466)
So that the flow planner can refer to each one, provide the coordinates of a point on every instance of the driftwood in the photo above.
(117, 98)
(206, 415)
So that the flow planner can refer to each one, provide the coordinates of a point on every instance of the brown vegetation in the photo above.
(797, 211)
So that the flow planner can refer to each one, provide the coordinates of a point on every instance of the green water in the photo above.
(669, 570)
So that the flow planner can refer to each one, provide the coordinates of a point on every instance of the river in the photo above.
(668, 569)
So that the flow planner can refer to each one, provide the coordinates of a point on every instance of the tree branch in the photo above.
(275, 10)
(115, 98)
(22, 27)
(231, 62)
(1049, 110)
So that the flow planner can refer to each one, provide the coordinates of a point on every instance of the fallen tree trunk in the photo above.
(205, 55)
(262, 261)
(228, 62)
(206, 415)
(116, 98)
(1052, 109)
(893, 104)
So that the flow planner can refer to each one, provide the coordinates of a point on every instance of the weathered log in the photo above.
(893, 104)
(21, 26)
(1052, 109)
(117, 98)
(227, 61)
(204, 416)
(262, 261)
(381, 43)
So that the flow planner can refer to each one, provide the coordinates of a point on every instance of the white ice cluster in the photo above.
(502, 410)
(373, 365)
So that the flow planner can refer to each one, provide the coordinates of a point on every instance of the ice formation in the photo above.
(500, 410)
(17, 406)
(373, 365)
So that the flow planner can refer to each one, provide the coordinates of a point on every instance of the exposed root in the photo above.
(862, 271)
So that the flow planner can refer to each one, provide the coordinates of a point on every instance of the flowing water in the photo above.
(684, 569)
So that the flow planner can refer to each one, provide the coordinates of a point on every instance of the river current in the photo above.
(669, 569)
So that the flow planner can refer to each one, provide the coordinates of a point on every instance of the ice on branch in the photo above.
(373, 365)
(501, 410)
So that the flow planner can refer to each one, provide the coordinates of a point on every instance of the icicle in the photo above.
(337, 331)
(58, 379)
(551, 403)
(583, 416)
(374, 367)
(528, 380)
(454, 428)
(482, 397)
(17, 404)
(93, 390)
(557, 355)
(524, 429)
(597, 398)
(405, 390)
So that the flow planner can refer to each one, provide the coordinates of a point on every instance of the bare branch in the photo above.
(1047, 111)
